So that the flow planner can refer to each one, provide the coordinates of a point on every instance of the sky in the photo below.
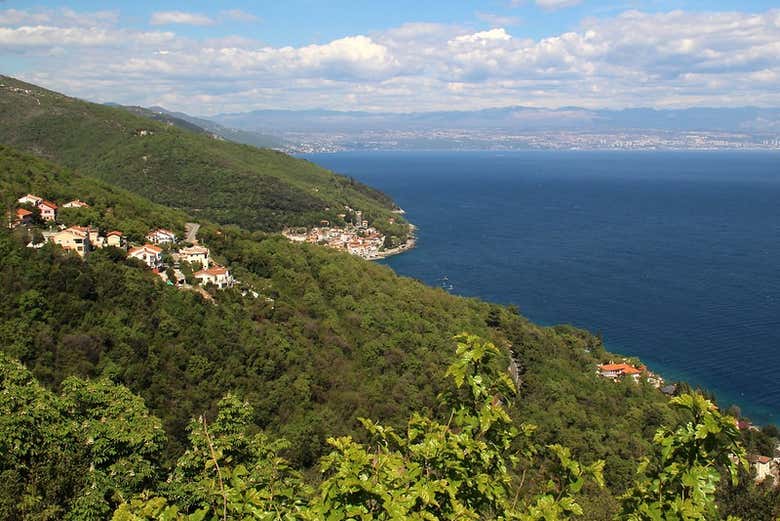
(206, 58)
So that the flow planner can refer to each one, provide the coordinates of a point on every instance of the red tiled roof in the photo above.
(622, 368)
(214, 270)
(49, 204)
(75, 230)
(114, 233)
(21, 212)
(150, 247)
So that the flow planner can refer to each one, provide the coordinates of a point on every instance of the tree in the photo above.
(681, 484)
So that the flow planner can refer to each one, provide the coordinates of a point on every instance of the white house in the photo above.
(766, 468)
(48, 210)
(115, 238)
(150, 254)
(75, 238)
(76, 203)
(31, 199)
(161, 236)
(216, 275)
(195, 254)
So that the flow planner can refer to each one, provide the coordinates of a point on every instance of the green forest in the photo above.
(210, 178)
(334, 339)
(342, 391)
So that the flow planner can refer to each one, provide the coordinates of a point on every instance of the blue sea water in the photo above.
(672, 256)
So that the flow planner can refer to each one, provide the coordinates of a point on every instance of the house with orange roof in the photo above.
(149, 254)
(75, 238)
(766, 468)
(48, 210)
(219, 276)
(23, 216)
(617, 371)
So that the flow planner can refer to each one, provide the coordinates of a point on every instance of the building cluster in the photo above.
(359, 238)
(84, 239)
(617, 372)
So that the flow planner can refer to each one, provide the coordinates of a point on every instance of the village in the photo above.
(357, 238)
(765, 467)
(162, 252)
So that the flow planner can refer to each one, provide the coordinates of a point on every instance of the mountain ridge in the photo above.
(217, 179)
(747, 118)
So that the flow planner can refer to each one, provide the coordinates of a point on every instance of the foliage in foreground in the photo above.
(471, 467)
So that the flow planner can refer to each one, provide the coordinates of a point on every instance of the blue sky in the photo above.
(208, 57)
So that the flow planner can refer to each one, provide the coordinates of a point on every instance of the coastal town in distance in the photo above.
(471, 139)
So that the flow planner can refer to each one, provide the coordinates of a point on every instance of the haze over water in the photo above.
(671, 256)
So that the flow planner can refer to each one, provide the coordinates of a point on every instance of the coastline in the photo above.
(410, 243)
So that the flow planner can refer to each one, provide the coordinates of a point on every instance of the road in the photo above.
(191, 232)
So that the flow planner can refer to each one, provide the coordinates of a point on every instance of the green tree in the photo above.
(681, 484)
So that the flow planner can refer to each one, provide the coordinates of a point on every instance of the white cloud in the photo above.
(556, 4)
(63, 16)
(179, 17)
(32, 37)
(675, 58)
(483, 37)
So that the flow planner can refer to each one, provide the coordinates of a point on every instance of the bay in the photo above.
(671, 256)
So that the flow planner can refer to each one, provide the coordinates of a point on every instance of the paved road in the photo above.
(191, 232)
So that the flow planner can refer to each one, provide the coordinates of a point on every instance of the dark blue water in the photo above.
(672, 257)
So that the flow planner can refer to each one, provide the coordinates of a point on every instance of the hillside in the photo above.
(331, 338)
(342, 338)
(211, 178)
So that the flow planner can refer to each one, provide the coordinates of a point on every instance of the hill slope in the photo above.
(342, 338)
(215, 179)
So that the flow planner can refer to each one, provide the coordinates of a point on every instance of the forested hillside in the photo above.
(214, 179)
(343, 337)
(330, 338)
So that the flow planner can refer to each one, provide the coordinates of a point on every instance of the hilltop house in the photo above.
(161, 236)
(30, 199)
(150, 254)
(48, 210)
(115, 238)
(76, 203)
(195, 254)
(75, 238)
(216, 275)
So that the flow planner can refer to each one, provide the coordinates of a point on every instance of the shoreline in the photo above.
(675, 378)
(410, 244)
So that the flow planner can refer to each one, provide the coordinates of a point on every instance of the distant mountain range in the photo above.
(510, 128)
(514, 119)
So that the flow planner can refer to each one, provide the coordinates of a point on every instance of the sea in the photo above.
(673, 257)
